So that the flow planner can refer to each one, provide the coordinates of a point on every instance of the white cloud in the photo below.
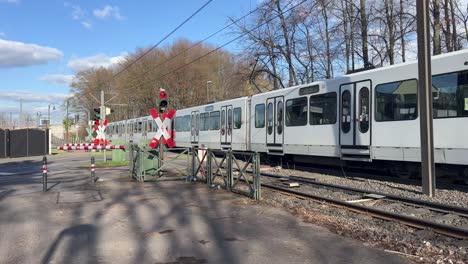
(18, 54)
(79, 14)
(96, 61)
(108, 11)
(86, 24)
(62, 79)
(32, 97)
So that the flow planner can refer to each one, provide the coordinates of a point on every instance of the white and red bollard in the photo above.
(44, 174)
(92, 169)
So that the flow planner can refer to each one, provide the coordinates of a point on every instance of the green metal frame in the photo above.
(230, 182)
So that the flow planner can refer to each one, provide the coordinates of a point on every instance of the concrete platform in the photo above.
(122, 221)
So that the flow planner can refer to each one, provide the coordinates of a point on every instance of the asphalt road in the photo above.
(119, 220)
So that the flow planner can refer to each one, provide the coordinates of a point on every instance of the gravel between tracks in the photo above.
(417, 245)
(446, 196)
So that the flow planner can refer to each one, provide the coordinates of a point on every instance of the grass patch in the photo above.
(101, 153)
(106, 164)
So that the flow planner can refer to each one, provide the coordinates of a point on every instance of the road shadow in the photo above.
(81, 240)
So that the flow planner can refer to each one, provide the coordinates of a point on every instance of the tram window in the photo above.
(450, 95)
(296, 112)
(179, 123)
(260, 115)
(154, 125)
(149, 125)
(322, 109)
(270, 118)
(214, 120)
(204, 122)
(229, 119)
(279, 117)
(364, 109)
(137, 127)
(223, 118)
(237, 118)
(346, 111)
(186, 123)
(396, 101)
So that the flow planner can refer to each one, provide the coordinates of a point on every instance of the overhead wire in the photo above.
(203, 40)
(163, 39)
(218, 48)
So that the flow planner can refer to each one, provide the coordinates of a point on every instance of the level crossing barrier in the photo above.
(92, 147)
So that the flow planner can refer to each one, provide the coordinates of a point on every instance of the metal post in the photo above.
(207, 92)
(229, 170)
(103, 117)
(44, 174)
(209, 173)
(256, 175)
(92, 169)
(68, 127)
(425, 98)
(160, 156)
(193, 176)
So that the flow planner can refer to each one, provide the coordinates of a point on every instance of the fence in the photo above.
(216, 167)
(23, 142)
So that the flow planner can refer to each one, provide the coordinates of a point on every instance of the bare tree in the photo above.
(365, 50)
(436, 27)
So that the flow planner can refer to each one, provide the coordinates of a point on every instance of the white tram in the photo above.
(368, 116)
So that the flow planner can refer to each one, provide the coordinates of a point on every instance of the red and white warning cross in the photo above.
(100, 131)
(164, 128)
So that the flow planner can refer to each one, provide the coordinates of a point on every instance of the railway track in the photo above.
(440, 218)
(366, 173)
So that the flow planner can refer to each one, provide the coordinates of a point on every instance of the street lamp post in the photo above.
(38, 119)
(48, 114)
(207, 91)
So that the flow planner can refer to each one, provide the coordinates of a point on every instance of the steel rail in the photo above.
(406, 220)
(413, 201)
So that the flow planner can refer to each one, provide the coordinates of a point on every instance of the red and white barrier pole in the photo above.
(95, 147)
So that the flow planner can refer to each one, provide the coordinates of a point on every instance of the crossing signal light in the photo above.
(162, 101)
(97, 114)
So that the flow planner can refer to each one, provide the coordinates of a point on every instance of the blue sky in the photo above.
(43, 43)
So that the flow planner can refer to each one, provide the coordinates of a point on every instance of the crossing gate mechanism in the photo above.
(224, 169)
(147, 164)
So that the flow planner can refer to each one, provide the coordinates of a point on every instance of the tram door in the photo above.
(226, 125)
(275, 124)
(355, 119)
(195, 126)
